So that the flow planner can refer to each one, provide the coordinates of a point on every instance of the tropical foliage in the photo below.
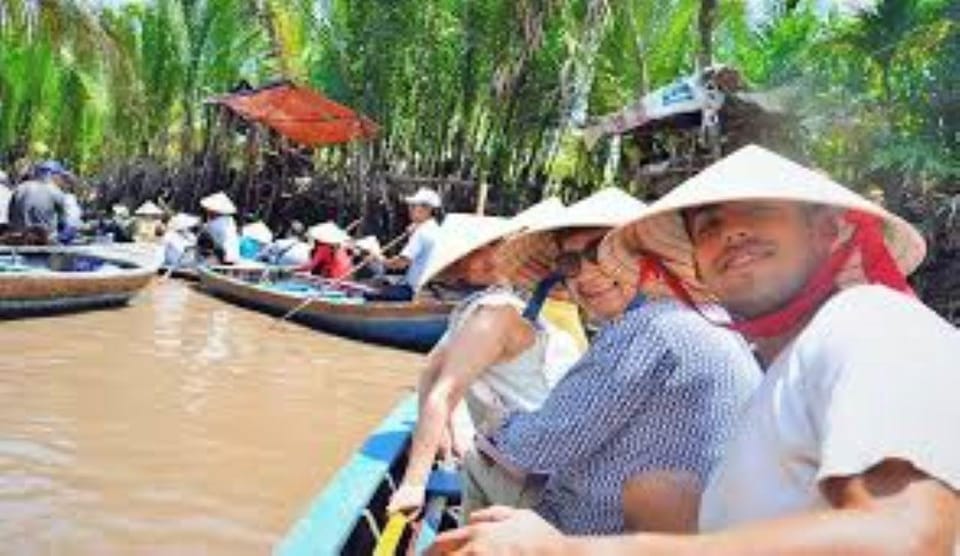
(488, 91)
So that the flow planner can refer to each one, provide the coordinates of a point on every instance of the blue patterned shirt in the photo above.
(659, 389)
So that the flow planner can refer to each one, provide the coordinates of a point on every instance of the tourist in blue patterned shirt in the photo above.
(652, 400)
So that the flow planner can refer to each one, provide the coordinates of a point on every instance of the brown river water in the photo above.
(177, 425)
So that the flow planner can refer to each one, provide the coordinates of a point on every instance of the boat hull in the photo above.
(48, 291)
(408, 325)
(341, 519)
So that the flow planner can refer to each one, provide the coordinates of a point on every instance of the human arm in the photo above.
(317, 259)
(398, 262)
(891, 509)
(487, 337)
(662, 500)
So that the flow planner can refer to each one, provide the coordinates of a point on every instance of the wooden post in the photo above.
(482, 197)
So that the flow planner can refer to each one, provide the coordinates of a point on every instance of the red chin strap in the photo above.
(878, 267)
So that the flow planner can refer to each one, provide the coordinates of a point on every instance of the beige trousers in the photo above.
(486, 484)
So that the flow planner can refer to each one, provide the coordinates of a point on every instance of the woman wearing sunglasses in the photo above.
(651, 401)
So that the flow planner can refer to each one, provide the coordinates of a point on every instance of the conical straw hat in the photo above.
(458, 236)
(527, 258)
(538, 212)
(328, 232)
(258, 231)
(368, 244)
(751, 173)
(462, 234)
(218, 203)
(183, 221)
(148, 208)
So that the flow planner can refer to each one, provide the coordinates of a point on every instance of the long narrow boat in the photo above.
(415, 325)
(44, 280)
(349, 516)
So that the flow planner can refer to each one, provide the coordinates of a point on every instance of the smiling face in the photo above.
(602, 296)
(757, 255)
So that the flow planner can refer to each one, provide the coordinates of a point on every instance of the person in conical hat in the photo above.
(220, 231)
(218, 203)
(254, 238)
(180, 241)
(423, 207)
(849, 446)
(148, 224)
(494, 355)
(656, 370)
(330, 258)
(149, 209)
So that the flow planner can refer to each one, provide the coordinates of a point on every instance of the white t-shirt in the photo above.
(417, 250)
(72, 213)
(5, 195)
(874, 375)
(223, 230)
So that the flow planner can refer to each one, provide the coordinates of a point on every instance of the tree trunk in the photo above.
(708, 9)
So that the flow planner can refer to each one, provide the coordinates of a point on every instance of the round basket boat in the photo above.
(43, 280)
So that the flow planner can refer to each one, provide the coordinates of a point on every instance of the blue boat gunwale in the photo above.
(331, 517)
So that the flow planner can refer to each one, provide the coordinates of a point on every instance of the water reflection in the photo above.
(180, 425)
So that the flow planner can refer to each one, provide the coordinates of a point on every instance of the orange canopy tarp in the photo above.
(300, 114)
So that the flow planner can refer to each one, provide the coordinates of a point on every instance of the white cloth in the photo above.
(5, 195)
(175, 245)
(523, 383)
(72, 213)
(286, 252)
(874, 375)
(223, 230)
(417, 250)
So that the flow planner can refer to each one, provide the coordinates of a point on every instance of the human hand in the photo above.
(500, 530)
(408, 499)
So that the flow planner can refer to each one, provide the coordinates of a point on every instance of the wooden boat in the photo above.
(43, 280)
(412, 325)
(188, 273)
(349, 516)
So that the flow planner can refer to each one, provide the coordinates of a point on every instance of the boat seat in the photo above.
(446, 483)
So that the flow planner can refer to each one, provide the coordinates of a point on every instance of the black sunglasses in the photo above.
(568, 263)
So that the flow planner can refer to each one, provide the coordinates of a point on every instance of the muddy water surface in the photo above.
(178, 425)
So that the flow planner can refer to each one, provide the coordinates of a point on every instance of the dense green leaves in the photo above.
(484, 89)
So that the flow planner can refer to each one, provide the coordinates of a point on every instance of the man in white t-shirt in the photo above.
(423, 207)
(850, 444)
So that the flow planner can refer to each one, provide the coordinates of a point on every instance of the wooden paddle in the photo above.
(338, 281)
(353, 225)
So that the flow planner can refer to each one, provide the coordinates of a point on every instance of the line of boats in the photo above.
(46, 280)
